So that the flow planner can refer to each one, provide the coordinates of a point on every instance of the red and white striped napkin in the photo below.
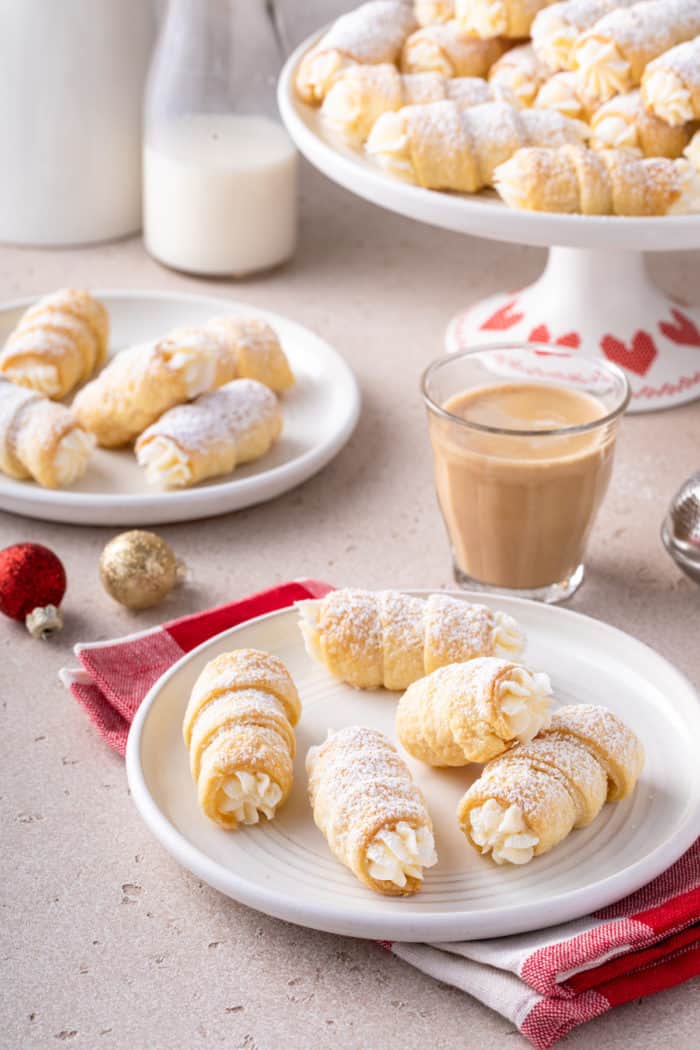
(545, 982)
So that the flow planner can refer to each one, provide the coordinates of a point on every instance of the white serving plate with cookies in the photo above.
(320, 414)
(284, 867)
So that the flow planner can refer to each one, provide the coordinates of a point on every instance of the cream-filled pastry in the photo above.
(142, 382)
(624, 123)
(40, 439)
(370, 812)
(239, 732)
(471, 712)
(529, 799)
(372, 33)
(385, 638)
(211, 435)
(490, 18)
(671, 84)
(574, 179)
(57, 344)
(363, 93)
(612, 55)
(441, 147)
(443, 48)
(557, 27)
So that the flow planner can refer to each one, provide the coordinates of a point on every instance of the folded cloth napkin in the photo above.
(545, 982)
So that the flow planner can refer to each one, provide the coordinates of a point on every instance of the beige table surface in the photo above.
(105, 941)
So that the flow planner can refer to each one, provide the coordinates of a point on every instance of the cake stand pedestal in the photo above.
(601, 302)
(594, 294)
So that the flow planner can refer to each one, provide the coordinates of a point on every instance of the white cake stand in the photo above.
(594, 293)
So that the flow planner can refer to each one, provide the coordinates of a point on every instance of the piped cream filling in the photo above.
(525, 698)
(164, 462)
(425, 56)
(71, 457)
(555, 45)
(689, 201)
(197, 367)
(388, 144)
(395, 855)
(518, 85)
(667, 96)
(343, 115)
(502, 832)
(509, 180)
(560, 93)
(603, 70)
(247, 796)
(487, 19)
(507, 638)
(615, 132)
(309, 612)
(43, 378)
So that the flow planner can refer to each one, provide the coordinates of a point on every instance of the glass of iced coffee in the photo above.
(523, 439)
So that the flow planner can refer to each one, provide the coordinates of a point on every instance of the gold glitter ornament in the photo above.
(138, 569)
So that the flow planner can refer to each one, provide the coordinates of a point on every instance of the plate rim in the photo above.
(302, 467)
(443, 927)
(534, 228)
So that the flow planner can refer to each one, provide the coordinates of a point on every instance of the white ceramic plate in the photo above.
(320, 414)
(285, 869)
(484, 214)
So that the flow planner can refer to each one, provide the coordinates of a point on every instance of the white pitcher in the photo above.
(72, 74)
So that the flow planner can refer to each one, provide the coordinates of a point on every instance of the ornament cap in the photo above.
(44, 621)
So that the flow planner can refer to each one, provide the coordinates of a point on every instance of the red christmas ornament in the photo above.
(32, 585)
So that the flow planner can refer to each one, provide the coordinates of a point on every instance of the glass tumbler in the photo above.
(523, 438)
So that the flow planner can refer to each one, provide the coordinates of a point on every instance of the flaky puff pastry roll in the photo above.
(256, 350)
(212, 435)
(372, 33)
(624, 123)
(529, 800)
(557, 27)
(372, 815)
(520, 73)
(362, 93)
(671, 84)
(612, 55)
(441, 147)
(506, 18)
(444, 49)
(608, 182)
(142, 382)
(385, 638)
(471, 712)
(58, 343)
(40, 439)
(238, 730)
(428, 12)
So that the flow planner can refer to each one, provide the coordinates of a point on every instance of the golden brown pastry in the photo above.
(443, 48)
(212, 435)
(238, 730)
(608, 182)
(372, 815)
(58, 343)
(372, 33)
(471, 712)
(624, 123)
(529, 799)
(40, 439)
(441, 147)
(385, 638)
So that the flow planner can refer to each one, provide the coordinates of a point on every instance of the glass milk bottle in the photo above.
(219, 170)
